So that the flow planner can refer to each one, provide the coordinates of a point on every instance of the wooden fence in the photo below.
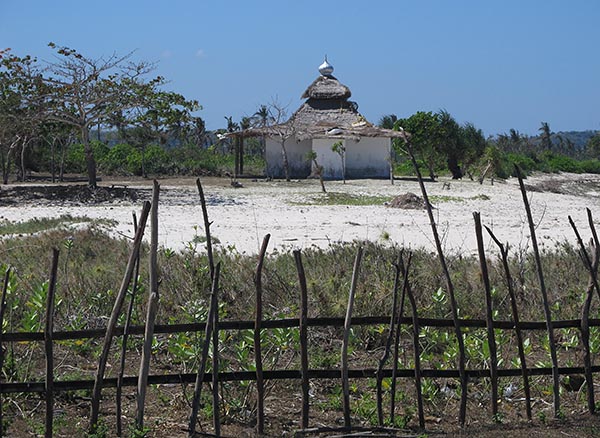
(403, 302)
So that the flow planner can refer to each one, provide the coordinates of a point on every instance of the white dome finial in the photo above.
(326, 69)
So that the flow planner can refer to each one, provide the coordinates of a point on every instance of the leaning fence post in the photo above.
(398, 317)
(2, 310)
(592, 266)
(388, 344)
(416, 347)
(547, 312)
(488, 312)
(303, 336)
(215, 367)
(453, 305)
(260, 386)
(48, 347)
(346, 341)
(126, 329)
(515, 315)
(205, 349)
(151, 313)
(112, 323)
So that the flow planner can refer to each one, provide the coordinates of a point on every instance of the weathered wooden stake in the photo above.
(126, 330)
(450, 286)
(592, 266)
(515, 315)
(416, 347)
(398, 317)
(260, 386)
(303, 337)
(151, 312)
(2, 310)
(388, 345)
(48, 347)
(212, 308)
(207, 224)
(112, 323)
(488, 313)
(346, 340)
(215, 368)
(547, 312)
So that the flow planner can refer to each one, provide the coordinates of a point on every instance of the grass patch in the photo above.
(337, 198)
(44, 224)
(446, 198)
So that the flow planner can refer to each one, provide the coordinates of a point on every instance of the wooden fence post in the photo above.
(152, 311)
(592, 266)
(215, 368)
(112, 323)
(488, 313)
(346, 340)
(388, 344)
(547, 312)
(126, 330)
(515, 315)
(205, 350)
(453, 305)
(48, 347)
(303, 337)
(260, 387)
(416, 347)
(398, 317)
(2, 310)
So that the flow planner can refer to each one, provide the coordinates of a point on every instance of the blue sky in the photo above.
(498, 64)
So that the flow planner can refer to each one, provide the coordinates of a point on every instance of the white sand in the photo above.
(241, 217)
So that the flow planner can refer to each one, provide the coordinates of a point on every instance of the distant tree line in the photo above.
(443, 145)
(77, 114)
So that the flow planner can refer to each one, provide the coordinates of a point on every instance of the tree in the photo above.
(388, 121)
(451, 143)
(425, 133)
(593, 146)
(339, 148)
(22, 106)
(154, 115)
(474, 145)
(318, 169)
(85, 90)
(545, 136)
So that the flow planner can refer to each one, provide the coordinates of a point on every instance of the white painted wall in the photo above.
(331, 161)
(368, 158)
(365, 158)
(299, 165)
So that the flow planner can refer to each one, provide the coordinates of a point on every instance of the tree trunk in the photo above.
(89, 157)
(454, 168)
(236, 157)
(241, 155)
(286, 165)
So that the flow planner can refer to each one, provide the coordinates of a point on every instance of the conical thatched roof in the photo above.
(326, 87)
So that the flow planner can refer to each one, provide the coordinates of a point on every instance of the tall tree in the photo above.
(451, 143)
(388, 121)
(154, 116)
(425, 133)
(22, 105)
(84, 90)
(545, 136)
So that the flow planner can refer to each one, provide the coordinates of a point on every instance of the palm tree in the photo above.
(546, 141)
(388, 121)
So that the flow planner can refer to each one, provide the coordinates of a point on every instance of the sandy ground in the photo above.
(242, 216)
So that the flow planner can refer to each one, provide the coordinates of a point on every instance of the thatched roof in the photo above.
(326, 87)
(327, 113)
